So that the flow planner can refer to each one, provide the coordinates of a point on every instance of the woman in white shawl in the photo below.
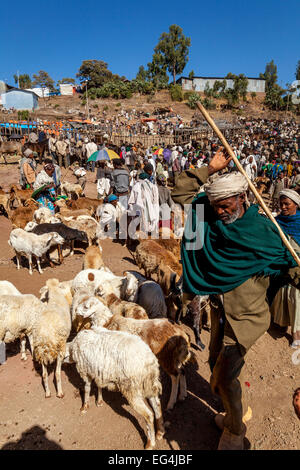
(144, 201)
(46, 180)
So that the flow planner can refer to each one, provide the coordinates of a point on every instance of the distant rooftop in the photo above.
(217, 78)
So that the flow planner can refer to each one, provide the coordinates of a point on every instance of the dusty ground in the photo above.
(29, 421)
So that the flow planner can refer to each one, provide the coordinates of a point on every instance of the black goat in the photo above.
(69, 234)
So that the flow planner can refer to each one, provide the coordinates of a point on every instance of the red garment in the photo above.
(166, 223)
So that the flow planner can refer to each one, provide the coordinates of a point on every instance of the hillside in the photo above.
(66, 107)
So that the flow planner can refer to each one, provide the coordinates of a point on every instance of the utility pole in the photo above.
(18, 79)
(87, 102)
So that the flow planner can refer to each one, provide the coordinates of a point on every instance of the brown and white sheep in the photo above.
(93, 257)
(50, 333)
(167, 341)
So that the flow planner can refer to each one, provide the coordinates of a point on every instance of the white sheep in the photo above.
(70, 189)
(88, 310)
(50, 333)
(119, 361)
(123, 287)
(66, 288)
(18, 314)
(91, 278)
(7, 288)
(28, 244)
(42, 215)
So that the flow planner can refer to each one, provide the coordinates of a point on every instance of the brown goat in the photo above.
(93, 258)
(17, 196)
(85, 203)
(149, 255)
(22, 215)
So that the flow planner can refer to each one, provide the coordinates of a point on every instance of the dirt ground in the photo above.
(29, 421)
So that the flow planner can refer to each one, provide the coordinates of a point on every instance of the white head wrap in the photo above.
(291, 194)
(224, 186)
(27, 152)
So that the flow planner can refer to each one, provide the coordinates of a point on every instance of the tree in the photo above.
(157, 72)
(142, 74)
(240, 86)
(43, 80)
(24, 80)
(289, 91)
(274, 92)
(297, 74)
(174, 48)
(95, 73)
(65, 80)
(176, 92)
(191, 74)
(270, 75)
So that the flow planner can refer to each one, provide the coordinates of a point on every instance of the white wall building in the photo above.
(66, 89)
(256, 85)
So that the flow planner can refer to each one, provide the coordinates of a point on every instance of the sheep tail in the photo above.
(151, 384)
(46, 352)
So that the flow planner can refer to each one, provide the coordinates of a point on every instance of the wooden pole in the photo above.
(251, 185)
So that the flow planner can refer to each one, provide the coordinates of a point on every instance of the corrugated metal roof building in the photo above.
(19, 99)
(256, 85)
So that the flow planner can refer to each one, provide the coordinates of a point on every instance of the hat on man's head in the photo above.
(112, 197)
(27, 152)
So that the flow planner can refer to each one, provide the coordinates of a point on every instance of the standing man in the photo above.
(120, 181)
(52, 148)
(231, 256)
(27, 170)
(90, 148)
(61, 151)
(278, 186)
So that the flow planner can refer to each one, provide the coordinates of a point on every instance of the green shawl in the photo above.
(229, 254)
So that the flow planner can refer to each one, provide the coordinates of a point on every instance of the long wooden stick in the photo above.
(251, 185)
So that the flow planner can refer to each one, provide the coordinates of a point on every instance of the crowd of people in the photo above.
(242, 262)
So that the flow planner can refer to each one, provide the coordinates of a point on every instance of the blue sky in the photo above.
(226, 36)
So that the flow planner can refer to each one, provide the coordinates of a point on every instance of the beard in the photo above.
(233, 217)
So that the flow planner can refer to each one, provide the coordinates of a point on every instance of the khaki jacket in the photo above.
(188, 184)
(29, 173)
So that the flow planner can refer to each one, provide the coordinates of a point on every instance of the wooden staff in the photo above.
(251, 185)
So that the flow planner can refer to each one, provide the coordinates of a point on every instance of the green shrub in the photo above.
(118, 105)
(105, 108)
(176, 93)
(56, 106)
(187, 94)
(23, 115)
(192, 100)
(208, 103)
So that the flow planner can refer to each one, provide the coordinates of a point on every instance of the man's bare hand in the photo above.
(219, 161)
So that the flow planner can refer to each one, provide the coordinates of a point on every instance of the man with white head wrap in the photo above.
(231, 254)
(27, 169)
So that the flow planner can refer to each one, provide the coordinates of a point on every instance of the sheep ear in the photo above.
(173, 281)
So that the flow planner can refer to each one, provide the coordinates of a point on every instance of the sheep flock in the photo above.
(118, 331)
